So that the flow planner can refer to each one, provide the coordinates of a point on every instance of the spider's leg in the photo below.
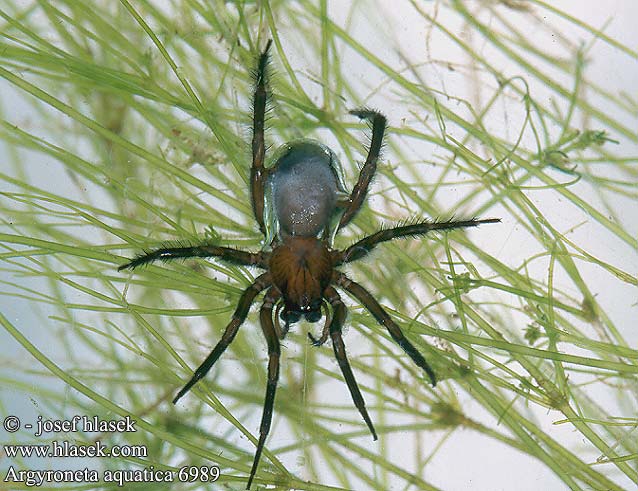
(239, 316)
(338, 318)
(365, 245)
(169, 253)
(265, 318)
(258, 172)
(360, 190)
(382, 317)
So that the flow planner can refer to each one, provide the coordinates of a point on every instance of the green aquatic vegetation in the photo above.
(127, 125)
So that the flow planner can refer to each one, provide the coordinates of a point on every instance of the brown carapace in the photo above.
(300, 266)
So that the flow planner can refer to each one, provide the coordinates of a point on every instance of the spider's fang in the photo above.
(314, 341)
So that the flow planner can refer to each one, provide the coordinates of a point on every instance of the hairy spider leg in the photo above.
(382, 317)
(258, 171)
(360, 190)
(265, 318)
(280, 333)
(246, 300)
(235, 256)
(365, 245)
(339, 347)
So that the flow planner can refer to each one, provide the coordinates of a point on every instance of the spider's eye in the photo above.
(313, 315)
(290, 316)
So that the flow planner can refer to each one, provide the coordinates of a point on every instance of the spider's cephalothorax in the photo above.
(300, 266)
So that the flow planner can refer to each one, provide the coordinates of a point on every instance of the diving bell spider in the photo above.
(300, 265)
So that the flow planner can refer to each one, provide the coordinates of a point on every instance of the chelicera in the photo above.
(301, 268)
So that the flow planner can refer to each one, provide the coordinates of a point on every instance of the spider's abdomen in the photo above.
(301, 268)
(304, 188)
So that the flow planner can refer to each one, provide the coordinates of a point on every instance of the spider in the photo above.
(300, 265)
